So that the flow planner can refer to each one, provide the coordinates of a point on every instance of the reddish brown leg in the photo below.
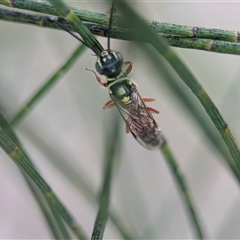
(108, 105)
(152, 110)
(98, 78)
(129, 68)
(148, 99)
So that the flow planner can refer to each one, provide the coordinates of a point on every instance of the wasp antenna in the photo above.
(75, 36)
(110, 25)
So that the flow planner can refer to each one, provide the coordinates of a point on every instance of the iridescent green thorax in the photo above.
(109, 63)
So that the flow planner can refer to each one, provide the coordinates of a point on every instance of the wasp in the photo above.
(124, 93)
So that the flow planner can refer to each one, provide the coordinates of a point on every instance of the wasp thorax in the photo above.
(109, 63)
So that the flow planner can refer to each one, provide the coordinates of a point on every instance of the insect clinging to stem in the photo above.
(123, 92)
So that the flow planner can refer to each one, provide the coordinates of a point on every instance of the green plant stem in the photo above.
(99, 226)
(179, 179)
(69, 15)
(44, 7)
(163, 49)
(121, 33)
(79, 179)
(196, 32)
(120, 226)
(54, 221)
(204, 44)
(19, 158)
(113, 147)
(24, 110)
(207, 103)
(103, 19)
(42, 21)
(186, 99)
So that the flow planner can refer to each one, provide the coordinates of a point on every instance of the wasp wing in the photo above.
(139, 120)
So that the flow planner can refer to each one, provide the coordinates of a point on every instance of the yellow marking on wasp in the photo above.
(120, 78)
(104, 53)
(111, 80)
(99, 63)
(115, 55)
(126, 99)
(121, 91)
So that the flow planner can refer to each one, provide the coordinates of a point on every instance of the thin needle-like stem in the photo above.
(211, 45)
(113, 148)
(193, 85)
(24, 110)
(54, 221)
(181, 183)
(19, 158)
(103, 19)
(163, 49)
(69, 15)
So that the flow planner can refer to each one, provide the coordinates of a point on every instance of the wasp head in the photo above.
(109, 63)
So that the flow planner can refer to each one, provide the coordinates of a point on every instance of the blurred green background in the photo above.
(65, 132)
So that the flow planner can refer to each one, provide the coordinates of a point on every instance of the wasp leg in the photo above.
(98, 78)
(152, 110)
(148, 99)
(129, 68)
(108, 105)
